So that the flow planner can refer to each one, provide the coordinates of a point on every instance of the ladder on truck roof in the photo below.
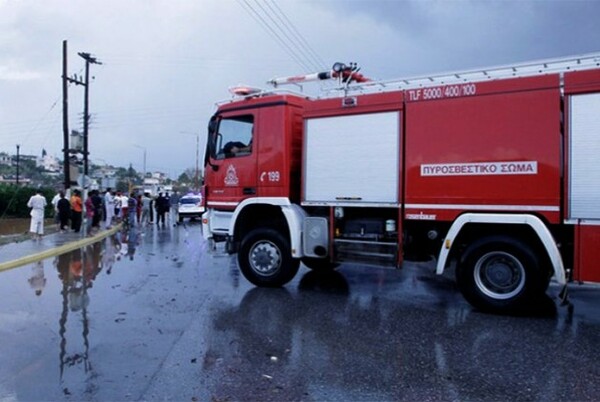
(364, 85)
(549, 66)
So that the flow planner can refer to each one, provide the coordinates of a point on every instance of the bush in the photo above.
(13, 201)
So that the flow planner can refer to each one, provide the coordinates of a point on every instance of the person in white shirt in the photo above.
(117, 201)
(124, 201)
(37, 280)
(37, 203)
(54, 203)
(109, 203)
(146, 200)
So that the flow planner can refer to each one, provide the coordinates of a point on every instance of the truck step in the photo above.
(368, 252)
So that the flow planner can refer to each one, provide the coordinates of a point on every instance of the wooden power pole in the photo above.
(89, 59)
(65, 93)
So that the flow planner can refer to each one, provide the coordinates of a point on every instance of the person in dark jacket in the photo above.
(132, 209)
(162, 206)
(64, 211)
(98, 207)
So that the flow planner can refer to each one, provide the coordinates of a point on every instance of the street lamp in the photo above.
(18, 146)
(144, 176)
(197, 156)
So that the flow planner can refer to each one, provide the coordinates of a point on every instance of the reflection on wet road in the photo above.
(149, 314)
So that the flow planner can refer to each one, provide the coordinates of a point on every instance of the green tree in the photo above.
(125, 178)
(13, 200)
(183, 178)
(132, 174)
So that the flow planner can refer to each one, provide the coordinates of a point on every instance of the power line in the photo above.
(257, 17)
(22, 131)
(36, 121)
(26, 134)
(124, 62)
(291, 41)
(319, 63)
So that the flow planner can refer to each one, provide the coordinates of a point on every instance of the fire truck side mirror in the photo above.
(212, 129)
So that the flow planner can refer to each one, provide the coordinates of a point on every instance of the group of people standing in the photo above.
(108, 208)
(69, 210)
(136, 208)
(65, 210)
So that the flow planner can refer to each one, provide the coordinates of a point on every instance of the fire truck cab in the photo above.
(494, 172)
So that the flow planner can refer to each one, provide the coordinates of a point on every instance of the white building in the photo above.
(151, 185)
(48, 162)
(5, 159)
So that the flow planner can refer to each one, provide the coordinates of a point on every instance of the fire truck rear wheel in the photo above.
(265, 258)
(500, 274)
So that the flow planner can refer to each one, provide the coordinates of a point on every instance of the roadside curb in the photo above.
(65, 248)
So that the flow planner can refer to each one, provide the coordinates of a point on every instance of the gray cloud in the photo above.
(166, 63)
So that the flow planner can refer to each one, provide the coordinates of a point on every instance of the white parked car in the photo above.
(190, 206)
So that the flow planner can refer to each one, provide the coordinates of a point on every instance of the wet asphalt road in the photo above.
(154, 316)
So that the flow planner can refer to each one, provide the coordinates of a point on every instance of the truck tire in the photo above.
(265, 258)
(500, 274)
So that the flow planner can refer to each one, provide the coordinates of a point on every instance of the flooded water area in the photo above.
(17, 229)
(153, 313)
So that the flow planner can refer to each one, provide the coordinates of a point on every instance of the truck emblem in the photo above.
(231, 178)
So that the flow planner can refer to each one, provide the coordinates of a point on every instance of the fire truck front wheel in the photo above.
(265, 258)
(500, 274)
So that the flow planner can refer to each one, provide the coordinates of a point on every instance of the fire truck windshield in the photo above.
(233, 137)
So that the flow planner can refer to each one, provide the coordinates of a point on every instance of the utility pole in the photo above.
(197, 150)
(18, 146)
(89, 59)
(144, 174)
(197, 175)
(65, 94)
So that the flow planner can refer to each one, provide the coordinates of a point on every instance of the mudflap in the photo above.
(563, 295)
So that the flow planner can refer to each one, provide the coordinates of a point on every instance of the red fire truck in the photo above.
(495, 173)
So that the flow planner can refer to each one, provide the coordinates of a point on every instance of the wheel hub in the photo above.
(265, 258)
(499, 275)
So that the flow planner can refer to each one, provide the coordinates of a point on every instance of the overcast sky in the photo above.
(166, 63)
